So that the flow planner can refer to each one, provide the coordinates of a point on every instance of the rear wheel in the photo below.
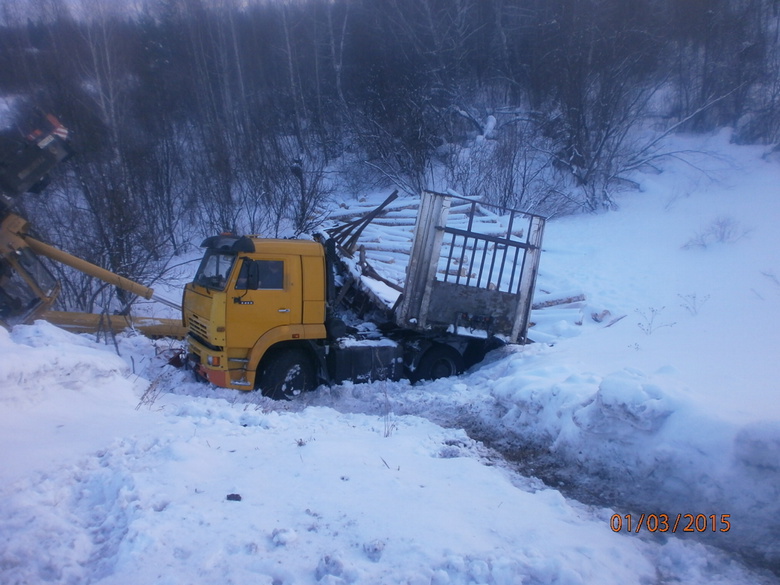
(439, 361)
(285, 373)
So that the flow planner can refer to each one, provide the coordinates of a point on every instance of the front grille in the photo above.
(199, 328)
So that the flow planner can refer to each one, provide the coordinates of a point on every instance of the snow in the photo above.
(117, 468)
(380, 290)
(381, 342)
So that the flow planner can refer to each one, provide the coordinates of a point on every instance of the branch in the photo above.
(393, 177)
(689, 117)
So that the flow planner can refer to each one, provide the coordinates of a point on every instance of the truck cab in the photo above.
(251, 294)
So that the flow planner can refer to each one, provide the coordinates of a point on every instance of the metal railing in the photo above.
(489, 261)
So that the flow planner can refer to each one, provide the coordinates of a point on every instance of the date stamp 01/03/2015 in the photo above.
(670, 523)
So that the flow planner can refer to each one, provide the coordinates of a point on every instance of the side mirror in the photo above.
(253, 274)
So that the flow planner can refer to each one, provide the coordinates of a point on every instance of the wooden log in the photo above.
(558, 301)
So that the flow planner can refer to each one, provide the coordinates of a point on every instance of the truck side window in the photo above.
(261, 275)
(271, 274)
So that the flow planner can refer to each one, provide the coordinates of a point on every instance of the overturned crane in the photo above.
(28, 290)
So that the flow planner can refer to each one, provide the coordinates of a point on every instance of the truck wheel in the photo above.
(439, 361)
(285, 373)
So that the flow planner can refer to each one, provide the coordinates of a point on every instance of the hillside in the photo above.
(120, 469)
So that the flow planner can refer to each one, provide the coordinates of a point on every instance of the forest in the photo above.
(191, 117)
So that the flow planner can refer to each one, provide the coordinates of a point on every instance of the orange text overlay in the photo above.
(670, 523)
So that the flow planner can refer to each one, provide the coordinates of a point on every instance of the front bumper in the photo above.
(217, 375)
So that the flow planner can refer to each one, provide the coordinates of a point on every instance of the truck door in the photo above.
(265, 292)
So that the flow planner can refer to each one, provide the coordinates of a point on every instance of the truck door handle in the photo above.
(284, 310)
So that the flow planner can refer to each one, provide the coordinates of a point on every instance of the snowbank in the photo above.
(193, 489)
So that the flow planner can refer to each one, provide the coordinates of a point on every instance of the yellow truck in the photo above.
(284, 316)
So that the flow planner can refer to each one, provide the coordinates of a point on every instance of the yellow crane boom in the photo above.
(93, 270)
(27, 289)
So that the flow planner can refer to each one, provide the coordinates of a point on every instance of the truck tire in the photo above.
(439, 361)
(285, 373)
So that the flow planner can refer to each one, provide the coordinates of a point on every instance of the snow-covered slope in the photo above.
(120, 469)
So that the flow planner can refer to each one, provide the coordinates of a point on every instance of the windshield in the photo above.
(37, 271)
(215, 270)
(25, 287)
(17, 299)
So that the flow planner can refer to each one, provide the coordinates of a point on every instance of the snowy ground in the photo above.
(119, 469)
